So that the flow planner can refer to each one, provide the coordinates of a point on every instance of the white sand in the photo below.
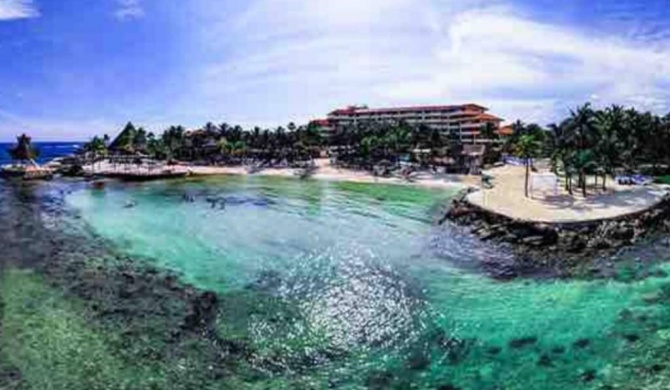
(507, 198)
(323, 171)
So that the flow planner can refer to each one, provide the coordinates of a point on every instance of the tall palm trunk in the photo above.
(570, 184)
(527, 175)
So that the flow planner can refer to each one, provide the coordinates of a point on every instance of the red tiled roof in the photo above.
(488, 117)
(353, 110)
(507, 130)
(321, 122)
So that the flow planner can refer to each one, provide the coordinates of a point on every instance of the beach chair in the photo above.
(641, 180)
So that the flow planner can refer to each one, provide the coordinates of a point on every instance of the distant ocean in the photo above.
(48, 150)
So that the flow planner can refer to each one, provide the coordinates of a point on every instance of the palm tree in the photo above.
(488, 131)
(140, 140)
(527, 147)
(584, 160)
(583, 127)
(24, 150)
(173, 138)
(609, 125)
(560, 148)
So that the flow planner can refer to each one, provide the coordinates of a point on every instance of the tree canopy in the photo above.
(24, 150)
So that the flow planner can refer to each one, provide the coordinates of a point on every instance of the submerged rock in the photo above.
(379, 380)
(418, 361)
(202, 311)
(581, 343)
(448, 387)
(456, 349)
(522, 342)
(588, 375)
(545, 361)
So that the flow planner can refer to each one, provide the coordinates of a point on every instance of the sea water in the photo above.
(47, 151)
(361, 266)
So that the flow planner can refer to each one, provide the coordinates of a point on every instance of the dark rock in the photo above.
(456, 349)
(545, 361)
(581, 343)
(625, 314)
(602, 244)
(447, 387)
(577, 244)
(418, 361)
(588, 375)
(202, 311)
(624, 233)
(558, 350)
(533, 241)
(379, 380)
(493, 350)
(522, 342)
(631, 337)
(656, 368)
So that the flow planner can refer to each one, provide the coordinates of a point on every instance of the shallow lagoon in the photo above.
(358, 262)
(355, 286)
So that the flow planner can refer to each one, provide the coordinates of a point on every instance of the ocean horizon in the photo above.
(47, 150)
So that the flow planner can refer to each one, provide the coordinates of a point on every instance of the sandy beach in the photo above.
(324, 171)
(507, 198)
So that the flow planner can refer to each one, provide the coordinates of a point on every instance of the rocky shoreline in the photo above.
(559, 248)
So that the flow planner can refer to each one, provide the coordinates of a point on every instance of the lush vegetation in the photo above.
(213, 144)
(363, 145)
(599, 143)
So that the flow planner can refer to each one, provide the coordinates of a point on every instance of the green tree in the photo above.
(609, 125)
(583, 127)
(527, 148)
(489, 131)
(24, 150)
(173, 138)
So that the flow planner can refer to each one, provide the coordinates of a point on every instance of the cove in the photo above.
(341, 285)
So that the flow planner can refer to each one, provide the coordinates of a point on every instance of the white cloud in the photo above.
(17, 9)
(294, 59)
(129, 9)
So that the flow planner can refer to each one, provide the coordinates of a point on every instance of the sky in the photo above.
(75, 68)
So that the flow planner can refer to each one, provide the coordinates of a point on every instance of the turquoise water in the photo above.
(343, 285)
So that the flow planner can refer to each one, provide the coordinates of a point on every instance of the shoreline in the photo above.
(423, 179)
(323, 170)
(562, 248)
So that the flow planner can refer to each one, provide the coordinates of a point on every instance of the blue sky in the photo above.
(74, 68)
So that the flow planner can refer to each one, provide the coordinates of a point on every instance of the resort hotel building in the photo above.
(464, 122)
